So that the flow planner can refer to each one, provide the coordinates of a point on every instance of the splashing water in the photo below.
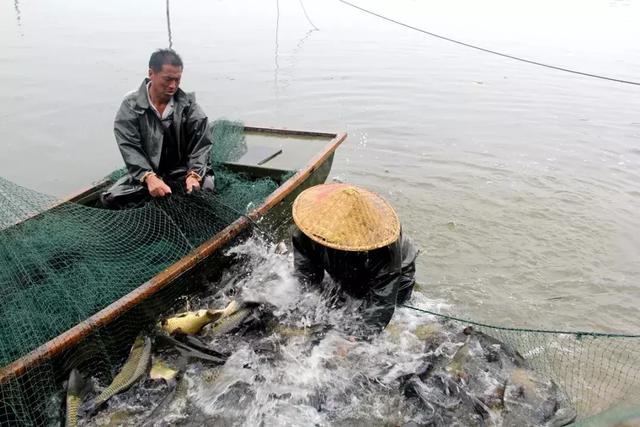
(293, 373)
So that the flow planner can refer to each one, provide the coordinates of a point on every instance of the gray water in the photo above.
(519, 183)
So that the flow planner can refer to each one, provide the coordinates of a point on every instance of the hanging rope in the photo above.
(169, 26)
(307, 16)
(612, 79)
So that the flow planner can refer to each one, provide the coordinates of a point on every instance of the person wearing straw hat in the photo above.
(355, 236)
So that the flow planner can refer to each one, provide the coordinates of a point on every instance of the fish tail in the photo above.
(103, 397)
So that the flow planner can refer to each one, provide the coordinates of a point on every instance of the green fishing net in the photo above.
(62, 263)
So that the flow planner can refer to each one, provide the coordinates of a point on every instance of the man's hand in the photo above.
(192, 183)
(157, 187)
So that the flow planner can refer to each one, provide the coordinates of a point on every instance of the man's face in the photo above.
(165, 82)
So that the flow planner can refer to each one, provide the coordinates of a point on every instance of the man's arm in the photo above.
(199, 142)
(129, 141)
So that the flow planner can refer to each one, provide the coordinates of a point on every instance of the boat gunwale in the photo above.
(164, 278)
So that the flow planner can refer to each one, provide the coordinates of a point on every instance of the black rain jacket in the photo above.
(140, 134)
(381, 277)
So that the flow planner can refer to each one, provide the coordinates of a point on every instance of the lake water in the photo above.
(520, 184)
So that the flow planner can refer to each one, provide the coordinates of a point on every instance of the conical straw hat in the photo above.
(345, 217)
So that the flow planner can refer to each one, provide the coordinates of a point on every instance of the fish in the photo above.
(456, 366)
(188, 352)
(191, 322)
(133, 369)
(446, 401)
(229, 323)
(169, 404)
(77, 388)
(563, 416)
(534, 399)
(198, 344)
(161, 371)
(415, 387)
(494, 349)
(175, 403)
(485, 380)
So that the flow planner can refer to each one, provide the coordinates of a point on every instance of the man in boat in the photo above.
(163, 136)
(355, 236)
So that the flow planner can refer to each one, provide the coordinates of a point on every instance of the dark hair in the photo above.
(162, 57)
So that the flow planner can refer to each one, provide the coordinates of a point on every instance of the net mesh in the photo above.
(599, 372)
(60, 265)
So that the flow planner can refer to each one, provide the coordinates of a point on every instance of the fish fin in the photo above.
(196, 354)
(194, 342)
(164, 339)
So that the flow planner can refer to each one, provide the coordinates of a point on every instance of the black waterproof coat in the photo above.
(140, 134)
(381, 277)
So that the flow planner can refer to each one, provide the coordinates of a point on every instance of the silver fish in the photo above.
(233, 321)
(160, 370)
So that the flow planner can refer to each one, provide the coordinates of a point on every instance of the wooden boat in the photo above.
(271, 153)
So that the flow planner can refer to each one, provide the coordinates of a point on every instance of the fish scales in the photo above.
(73, 404)
(191, 322)
(76, 389)
(231, 322)
(135, 366)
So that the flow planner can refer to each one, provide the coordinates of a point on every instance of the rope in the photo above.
(169, 26)
(577, 334)
(307, 16)
(528, 61)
